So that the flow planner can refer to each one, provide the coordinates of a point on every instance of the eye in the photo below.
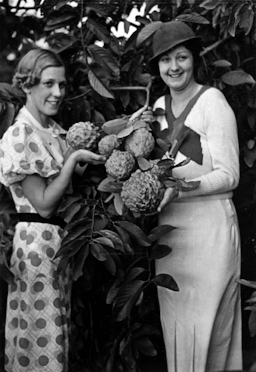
(48, 84)
(164, 59)
(63, 85)
(182, 58)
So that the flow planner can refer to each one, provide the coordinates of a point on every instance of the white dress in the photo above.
(202, 321)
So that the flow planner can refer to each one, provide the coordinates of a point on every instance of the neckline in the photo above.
(170, 107)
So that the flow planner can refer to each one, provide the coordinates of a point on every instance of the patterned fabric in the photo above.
(38, 305)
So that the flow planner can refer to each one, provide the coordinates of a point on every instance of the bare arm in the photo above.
(45, 198)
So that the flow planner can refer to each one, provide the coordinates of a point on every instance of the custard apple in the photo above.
(120, 164)
(140, 143)
(142, 192)
(108, 144)
(83, 135)
(159, 170)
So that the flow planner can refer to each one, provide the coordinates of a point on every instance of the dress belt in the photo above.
(35, 217)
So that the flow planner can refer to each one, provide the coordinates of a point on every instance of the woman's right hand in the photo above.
(170, 194)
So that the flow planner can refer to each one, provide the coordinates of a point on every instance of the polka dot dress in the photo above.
(38, 304)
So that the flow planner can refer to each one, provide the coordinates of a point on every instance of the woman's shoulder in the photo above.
(212, 93)
(160, 103)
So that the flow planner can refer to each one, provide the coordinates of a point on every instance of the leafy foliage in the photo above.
(112, 255)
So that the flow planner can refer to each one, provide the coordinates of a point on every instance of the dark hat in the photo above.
(169, 35)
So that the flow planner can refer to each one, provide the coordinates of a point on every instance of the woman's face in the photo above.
(176, 68)
(44, 99)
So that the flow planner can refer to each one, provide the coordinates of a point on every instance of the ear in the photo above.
(25, 89)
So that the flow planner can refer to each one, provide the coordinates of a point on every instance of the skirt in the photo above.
(202, 321)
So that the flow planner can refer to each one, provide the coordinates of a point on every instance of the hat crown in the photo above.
(170, 34)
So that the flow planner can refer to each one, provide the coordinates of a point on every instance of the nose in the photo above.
(174, 65)
(56, 91)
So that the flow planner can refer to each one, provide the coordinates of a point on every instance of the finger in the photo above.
(164, 201)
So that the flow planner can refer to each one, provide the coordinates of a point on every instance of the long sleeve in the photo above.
(214, 121)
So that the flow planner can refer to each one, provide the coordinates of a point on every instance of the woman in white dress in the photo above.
(202, 321)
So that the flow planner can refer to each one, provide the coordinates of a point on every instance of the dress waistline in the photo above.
(35, 217)
(204, 198)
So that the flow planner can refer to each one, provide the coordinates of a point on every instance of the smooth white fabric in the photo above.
(202, 321)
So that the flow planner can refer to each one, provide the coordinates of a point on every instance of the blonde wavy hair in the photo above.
(31, 66)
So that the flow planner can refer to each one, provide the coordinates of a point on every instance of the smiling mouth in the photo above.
(53, 103)
(175, 75)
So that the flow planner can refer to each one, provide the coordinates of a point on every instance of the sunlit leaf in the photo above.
(247, 283)
(222, 63)
(246, 18)
(237, 77)
(249, 156)
(104, 241)
(210, 4)
(114, 126)
(193, 18)
(147, 32)
(98, 85)
(166, 281)
(125, 132)
(143, 163)
(118, 203)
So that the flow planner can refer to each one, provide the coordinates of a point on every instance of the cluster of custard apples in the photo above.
(126, 144)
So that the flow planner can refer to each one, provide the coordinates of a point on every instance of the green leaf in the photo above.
(166, 281)
(210, 4)
(104, 59)
(104, 241)
(145, 346)
(99, 30)
(193, 18)
(222, 63)
(125, 238)
(118, 243)
(113, 292)
(147, 32)
(237, 77)
(127, 298)
(135, 232)
(183, 185)
(143, 163)
(252, 324)
(159, 231)
(246, 18)
(5, 272)
(247, 283)
(114, 126)
(159, 251)
(69, 249)
(133, 273)
(249, 156)
(98, 85)
(125, 132)
(118, 203)
(98, 252)
(110, 264)
(79, 263)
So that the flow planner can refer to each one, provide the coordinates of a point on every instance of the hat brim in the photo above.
(153, 62)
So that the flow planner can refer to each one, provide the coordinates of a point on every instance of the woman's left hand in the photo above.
(147, 115)
(170, 194)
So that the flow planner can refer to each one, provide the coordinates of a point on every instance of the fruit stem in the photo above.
(137, 113)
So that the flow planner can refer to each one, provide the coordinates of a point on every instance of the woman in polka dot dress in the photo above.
(37, 166)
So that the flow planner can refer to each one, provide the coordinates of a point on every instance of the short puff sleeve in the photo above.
(23, 153)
